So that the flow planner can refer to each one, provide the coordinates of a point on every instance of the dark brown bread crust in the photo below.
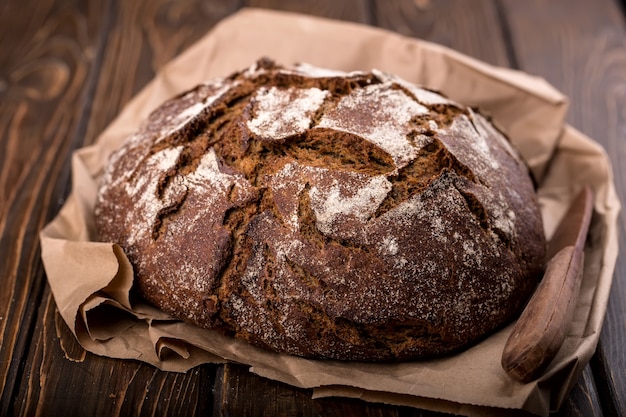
(328, 215)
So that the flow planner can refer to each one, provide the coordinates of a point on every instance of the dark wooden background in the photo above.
(67, 67)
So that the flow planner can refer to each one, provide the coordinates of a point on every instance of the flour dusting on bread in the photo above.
(326, 214)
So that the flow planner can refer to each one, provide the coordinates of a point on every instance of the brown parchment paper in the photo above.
(90, 281)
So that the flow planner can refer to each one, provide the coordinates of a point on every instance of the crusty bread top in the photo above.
(326, 214)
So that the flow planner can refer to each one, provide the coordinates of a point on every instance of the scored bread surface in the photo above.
(326, 214)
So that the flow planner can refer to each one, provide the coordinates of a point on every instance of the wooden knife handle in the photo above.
(542, 327)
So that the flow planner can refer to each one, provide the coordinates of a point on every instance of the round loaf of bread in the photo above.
(351, 216)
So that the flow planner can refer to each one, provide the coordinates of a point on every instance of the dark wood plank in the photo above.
(473, 30)
(583, 400)
(146, 35)
(350, 10)
(131, 40)
(46, 57)
(272, 398)
(579, 47)
(64, 380)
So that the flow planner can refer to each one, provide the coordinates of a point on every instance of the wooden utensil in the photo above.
(543, 325)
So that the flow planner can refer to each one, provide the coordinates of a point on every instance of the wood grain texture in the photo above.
(143, 37)
(580, 48)
(47, 53)
(64, 382)
(473, 30)
(350, 10)
(583, 400)
(274, 398)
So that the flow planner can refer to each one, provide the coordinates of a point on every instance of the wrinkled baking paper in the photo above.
(90, 281)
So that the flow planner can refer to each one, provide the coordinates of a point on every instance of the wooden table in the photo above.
(67, 67)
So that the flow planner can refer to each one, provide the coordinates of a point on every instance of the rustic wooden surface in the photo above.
(67, 67)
